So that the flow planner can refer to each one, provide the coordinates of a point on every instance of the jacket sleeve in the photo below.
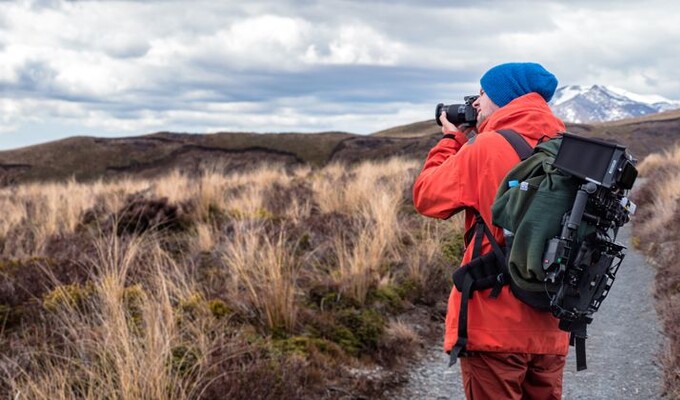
(447, 182)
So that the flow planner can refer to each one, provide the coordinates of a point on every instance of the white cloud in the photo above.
(121, 67)
(358, 44)
(265, 42)
(272, 42)
(268, 31)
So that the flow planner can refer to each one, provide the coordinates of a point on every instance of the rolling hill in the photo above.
(87, 158)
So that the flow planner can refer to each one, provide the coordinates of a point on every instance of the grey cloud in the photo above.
(127, 50)
(118, 50)
(332, 83)
(46, 4)
(331, 91)
(651, 81)
(132, 51)
(37, 79)
(36, 76)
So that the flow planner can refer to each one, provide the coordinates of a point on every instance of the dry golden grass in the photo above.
(656, 224)
(121, 346)
(340, 189)
(237, 272)
(374, 195)
(432, 237)
(51, 209)
(402, 332)
(660, 161)
(328, 187)
(263, 275)
(205, 239)
(359, 263)
(175, 186)
(664, 170)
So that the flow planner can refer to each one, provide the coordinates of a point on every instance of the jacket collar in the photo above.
(528, 114)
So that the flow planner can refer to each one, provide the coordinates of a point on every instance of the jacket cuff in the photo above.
(459, 137)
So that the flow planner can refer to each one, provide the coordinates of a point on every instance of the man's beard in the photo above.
(481, 118)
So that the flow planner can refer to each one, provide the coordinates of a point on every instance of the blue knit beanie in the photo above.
(506, 82)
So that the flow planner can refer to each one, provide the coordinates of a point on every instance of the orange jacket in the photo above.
(465, 177)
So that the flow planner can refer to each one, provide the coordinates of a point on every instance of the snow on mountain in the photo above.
(599, 103)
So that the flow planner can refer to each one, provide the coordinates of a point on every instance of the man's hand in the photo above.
(447, 127)
(450, 129)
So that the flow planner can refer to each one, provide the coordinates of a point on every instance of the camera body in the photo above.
(458, 114)
(606, 164)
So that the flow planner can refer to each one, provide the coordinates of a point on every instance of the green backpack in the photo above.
(560, 214)
(531, 202)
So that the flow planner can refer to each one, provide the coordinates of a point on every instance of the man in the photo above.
(513, 351)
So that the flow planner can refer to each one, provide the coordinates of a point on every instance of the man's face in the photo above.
(484, 106)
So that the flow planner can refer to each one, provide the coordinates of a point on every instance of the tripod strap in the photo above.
(579, 344)
(462, 320)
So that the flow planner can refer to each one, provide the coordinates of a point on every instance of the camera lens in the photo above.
(456, 114)
(437, 113)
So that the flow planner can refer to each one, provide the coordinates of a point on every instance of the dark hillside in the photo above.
(643, 135)
(422, 128)
(88, 158)
(377, 148)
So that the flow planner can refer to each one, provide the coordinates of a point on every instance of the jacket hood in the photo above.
(529, 115)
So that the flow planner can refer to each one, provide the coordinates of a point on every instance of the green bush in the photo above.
(365, 325)
(304, 345)
(183, 359)
(68, 296)
(453, 248)
(219, 309)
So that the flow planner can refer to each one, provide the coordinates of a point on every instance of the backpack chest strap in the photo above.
(477, 232)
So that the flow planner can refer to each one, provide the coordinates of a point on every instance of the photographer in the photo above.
(511, 350)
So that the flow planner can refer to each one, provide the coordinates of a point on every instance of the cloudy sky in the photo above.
(121, 68)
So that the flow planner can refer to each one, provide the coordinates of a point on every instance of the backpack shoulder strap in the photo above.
(517, 142)
(480, 228)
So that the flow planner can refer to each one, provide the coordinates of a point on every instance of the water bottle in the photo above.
(509, 237)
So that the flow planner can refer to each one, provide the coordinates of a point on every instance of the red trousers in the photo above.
(512, 376)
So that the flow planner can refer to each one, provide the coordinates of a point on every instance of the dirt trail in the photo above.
(622, 348)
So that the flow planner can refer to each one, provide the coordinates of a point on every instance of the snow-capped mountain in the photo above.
(602, 103)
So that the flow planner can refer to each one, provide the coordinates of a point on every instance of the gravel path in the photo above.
(622, 347)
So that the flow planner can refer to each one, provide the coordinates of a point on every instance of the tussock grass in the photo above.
(178, 188)
(657, 225)
(266, 270)
(259, 284)
(118, 341)
(339, 189)
(358, 264)
(660, 196)
(205, 239)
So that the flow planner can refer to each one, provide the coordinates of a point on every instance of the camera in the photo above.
(458, 114)
(604, 163)
(584, 268)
